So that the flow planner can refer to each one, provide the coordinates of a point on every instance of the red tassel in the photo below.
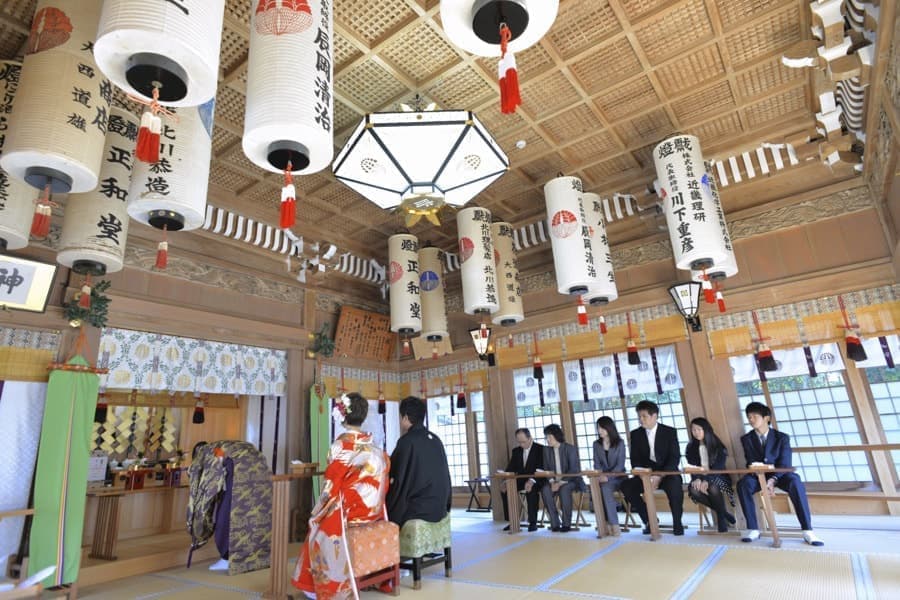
(765, 359)
(509, 77)
(40, 224)
(162, 256)
(602, 325)
(708, 293)
(406, 350)
(288, 200)
(720, 300)
(633, 356)
(434, 352)
(509, 341)
(484, 331)
(84, 301)
(582, 312)
(147, 148)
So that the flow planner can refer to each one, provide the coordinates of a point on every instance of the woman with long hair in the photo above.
(706, 450)
(609, 457)
(353, 491)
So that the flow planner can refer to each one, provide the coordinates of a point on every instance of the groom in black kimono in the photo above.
(420, 476)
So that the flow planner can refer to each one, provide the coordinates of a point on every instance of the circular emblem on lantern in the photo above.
(529, 382)
(520, 397)
(563, 224)
(396, 272)
(826, 358)
(466, 249)
(50, 28)
(551, 393)
(572, 376)
(429, 281)
(671, 379)
(631, 384)
(595, 388)
(606, 371)
(279, 17)
(643, 366)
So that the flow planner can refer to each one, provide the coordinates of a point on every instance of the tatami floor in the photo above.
(861, 560)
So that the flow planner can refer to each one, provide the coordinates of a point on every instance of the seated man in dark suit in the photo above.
(526, 458)
(769, 446)
(560, 458)
(655, 446)
(420, 485)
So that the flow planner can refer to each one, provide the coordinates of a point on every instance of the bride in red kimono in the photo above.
(353, 491)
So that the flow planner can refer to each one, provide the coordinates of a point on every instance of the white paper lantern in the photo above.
(172, 42)
(604, 291)
(95, 224)
(290, 105)
(431, 289)
(570, 238)
(58, 125)
(403, 277)
(476, 257)
(698, 240)
(718, 272)
(474, 25)
(731, 262)
(509, 292)
(16, 196)
(171, 193)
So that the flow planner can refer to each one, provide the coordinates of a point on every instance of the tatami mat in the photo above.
(531, 563)
(753, 573)
(641, 570)
(884, 571)
(470, 547)
(133, 587)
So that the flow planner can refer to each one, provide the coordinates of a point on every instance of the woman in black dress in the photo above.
(707, 451)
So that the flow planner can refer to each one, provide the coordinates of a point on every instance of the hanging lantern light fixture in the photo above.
(403, 277)
(16, 196)
(476, 256)
(420, 160)
(509, 292)
(570, 237)
(481, 339)
(604, 290)
(431, 290)
(698, 239)
(172, 47)
(686, 297)
(95, 224)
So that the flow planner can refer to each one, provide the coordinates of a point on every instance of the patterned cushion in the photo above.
(373, 546)
(418, 537)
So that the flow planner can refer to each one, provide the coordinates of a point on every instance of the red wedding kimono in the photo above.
(353, 491)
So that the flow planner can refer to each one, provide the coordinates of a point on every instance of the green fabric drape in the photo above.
(319, 433)
(61, 478)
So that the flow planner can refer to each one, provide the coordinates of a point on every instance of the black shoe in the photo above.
(678, 530)
(565, 529)
(506, 528)
(730, 518)
(723, 526)
(554, 529)
(646, 530)
(532, 528)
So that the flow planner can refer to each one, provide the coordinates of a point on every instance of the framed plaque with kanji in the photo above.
(364, 334)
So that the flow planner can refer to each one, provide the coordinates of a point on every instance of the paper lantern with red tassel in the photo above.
(708, 294)
(509, 76)
(147, 147)
(17, 206)
(288, 200)
(582, 312)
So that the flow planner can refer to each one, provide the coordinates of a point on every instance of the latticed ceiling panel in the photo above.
(687, 72)
(369, 85)
(372, 20)
(762, 78)
(607, 66)
(705, 103)
(592, 148)
(767, 36)
(344, 51)
(581, 24)
(774, 107)
(230, 106)
(649, 127)
(535, 145)
(716, 130)
(545, 168)
(344, 116)
(421, 53)
(609, 169)
(222, 140)
(239, 12)
(548, 95)
(628, 99)
(571, 124)
(735, 13)
(234, 50)
(463, 88)
(668, 34)
(227, 178)
(338, 224)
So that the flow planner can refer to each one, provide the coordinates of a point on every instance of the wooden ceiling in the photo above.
(610, 80)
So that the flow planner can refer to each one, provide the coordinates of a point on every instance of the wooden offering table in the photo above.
(106, 527)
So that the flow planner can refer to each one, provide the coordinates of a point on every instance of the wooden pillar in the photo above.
(300, 376)
(870, 427)
(500, 427)
(69, 338)
(709, 392)
(566, 416)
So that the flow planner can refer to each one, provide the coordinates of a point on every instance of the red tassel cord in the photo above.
(582, 312)
(84, 300)
(631, 346)
(509, 77)
(764, 357)
(162, 252)
(509, 340)
(148, 139)
(288, 199)
(720, 299)
(602, 325)
(405, 349)
(708, 293)
(40, 224)
(538, 367)
(855, 350)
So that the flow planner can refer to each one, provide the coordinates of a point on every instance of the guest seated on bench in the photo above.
(353, 492)
(527, 457)
(609, 457)
(420, 474)
(560, 457)
(706, 450)
(765, 445)
(655, 446)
